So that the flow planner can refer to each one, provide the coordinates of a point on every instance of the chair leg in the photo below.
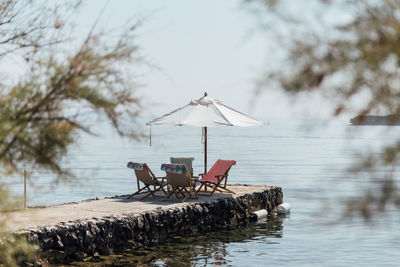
(186, 196)
(170, 193)
(162, 188)
(230, 191)
(219, 188)
(153, 192)
(180, 191)
(212, 192)
(201, 186)
(224, 187)
(189, 193)
(195, 192)
(140, 190)
(150, 193)
(205, 187)
(222, 190)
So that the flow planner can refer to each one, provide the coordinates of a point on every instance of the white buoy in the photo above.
(283, 208)
(259, 214)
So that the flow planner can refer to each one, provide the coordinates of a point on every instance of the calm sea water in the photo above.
(309, 163)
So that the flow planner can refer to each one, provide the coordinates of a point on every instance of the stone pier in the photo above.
(75, 231)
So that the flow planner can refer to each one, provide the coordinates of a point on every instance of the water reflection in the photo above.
(198, 249)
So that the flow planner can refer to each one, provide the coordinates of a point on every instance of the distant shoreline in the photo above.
(388, 120)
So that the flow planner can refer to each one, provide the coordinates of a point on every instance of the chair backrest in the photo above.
(220, 167)
(142, 172)
(177, 175)
(187, 161)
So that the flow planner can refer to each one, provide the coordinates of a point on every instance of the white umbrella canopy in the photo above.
(205, 112)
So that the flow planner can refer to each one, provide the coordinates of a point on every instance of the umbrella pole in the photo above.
(205, 150)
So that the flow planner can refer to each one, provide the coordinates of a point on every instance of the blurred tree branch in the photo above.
(40, 112)
(35, 127)
(353, 57)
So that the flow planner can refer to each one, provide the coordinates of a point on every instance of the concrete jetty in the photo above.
(78, 230)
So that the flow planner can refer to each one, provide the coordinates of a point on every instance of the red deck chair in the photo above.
(216, 175)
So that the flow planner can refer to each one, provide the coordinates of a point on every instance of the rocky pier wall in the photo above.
(76, 240)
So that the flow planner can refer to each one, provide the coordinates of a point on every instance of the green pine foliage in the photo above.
(63, 76)
(352, 60)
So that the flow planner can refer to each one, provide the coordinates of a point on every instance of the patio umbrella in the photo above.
(205, 112)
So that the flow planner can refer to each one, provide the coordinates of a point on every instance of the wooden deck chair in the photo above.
(151, 183)
(216, 175)
(187, 161)
(179, 181)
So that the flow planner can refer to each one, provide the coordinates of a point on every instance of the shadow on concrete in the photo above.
(159, 198)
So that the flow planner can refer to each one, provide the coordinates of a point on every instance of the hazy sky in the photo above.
(199, 46)
(208, 46)
(195, 47)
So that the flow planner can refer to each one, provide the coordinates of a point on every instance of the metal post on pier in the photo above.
(25, 189)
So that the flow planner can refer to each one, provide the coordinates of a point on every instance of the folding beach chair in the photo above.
(147, 177)
(187, 161)
(216, 175)
(179, 181)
